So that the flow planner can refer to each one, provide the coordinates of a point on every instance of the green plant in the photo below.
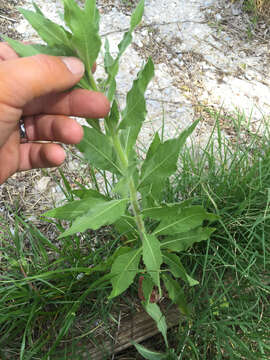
(154, 232)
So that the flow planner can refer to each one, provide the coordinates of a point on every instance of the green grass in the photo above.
(46, 309)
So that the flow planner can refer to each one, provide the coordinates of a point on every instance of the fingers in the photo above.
(9, 157)
(24, 79)
(35, 156)
(79, 102)
(53, 128)
(6, 52)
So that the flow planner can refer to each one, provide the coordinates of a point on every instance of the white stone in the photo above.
(42, 184)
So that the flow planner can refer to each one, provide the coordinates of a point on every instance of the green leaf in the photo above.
(147, 287)
(121, 187)
(126, 226)
(136, 18)
(166, 210)
(25, 50)
(177, 269)
(98, 150)
(188, 219)
(135, 110)
(108, 59)
(124, 269)
(52, 33)
(154, 311)
(37, 9)
(183, 241)
(176, 293)
(152, 193)
(74, 209)
(103, 213)
(148, 354)
(114, 116)
(186, 133)
(152, 257)
(137, 15)
(84, 24)
(153, 146)
(111, 65)
(111, 68)
(162, 162)
(94, 123)
(88, 193)
(107, 264)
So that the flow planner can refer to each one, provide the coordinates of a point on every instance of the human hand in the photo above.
(34, 89)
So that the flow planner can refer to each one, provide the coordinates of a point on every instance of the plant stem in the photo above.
(132, 188)
(92, 80)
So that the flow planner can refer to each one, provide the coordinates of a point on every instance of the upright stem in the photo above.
(91, 80)
(124, 163)
(132, 188)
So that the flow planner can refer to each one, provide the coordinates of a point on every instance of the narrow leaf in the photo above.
(52, 33)
(148, 354)
(25, 50)
(111, 65)
(74, 209)
(162, 164)
(88, 193)
(103, 213)
(186, 133)
(98, 150)
(188, 219)
(107, 264)
(152, 193)
(126, 226)
(114, 115)
(152, 257)
(177, 268)
(37, 9)
(183, 241)
(147, 287)
(166, 210)
(124, 269)
(176, 293)
(163, 161)
(153, 146)
(136, 17)
(111, 68)
(135, 110)
(154, 311)
(84, 24)
(94, 123)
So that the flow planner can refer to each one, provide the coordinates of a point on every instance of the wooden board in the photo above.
(138, 327)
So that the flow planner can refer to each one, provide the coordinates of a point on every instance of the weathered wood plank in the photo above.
(138, 327)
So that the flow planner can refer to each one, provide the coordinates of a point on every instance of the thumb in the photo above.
(23, 79)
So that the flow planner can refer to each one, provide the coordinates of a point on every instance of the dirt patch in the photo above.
(9, 15)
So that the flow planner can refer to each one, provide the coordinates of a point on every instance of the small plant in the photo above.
(154, 232)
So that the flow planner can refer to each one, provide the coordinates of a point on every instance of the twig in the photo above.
(7, 18)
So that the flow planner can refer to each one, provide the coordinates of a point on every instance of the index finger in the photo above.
(78, 102)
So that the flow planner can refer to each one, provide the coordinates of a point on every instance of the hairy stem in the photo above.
(132, 188)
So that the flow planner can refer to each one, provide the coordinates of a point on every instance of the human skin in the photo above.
(36, 89)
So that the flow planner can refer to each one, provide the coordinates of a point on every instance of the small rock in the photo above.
(42, 184)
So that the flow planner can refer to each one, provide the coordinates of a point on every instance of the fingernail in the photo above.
(74, 65)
